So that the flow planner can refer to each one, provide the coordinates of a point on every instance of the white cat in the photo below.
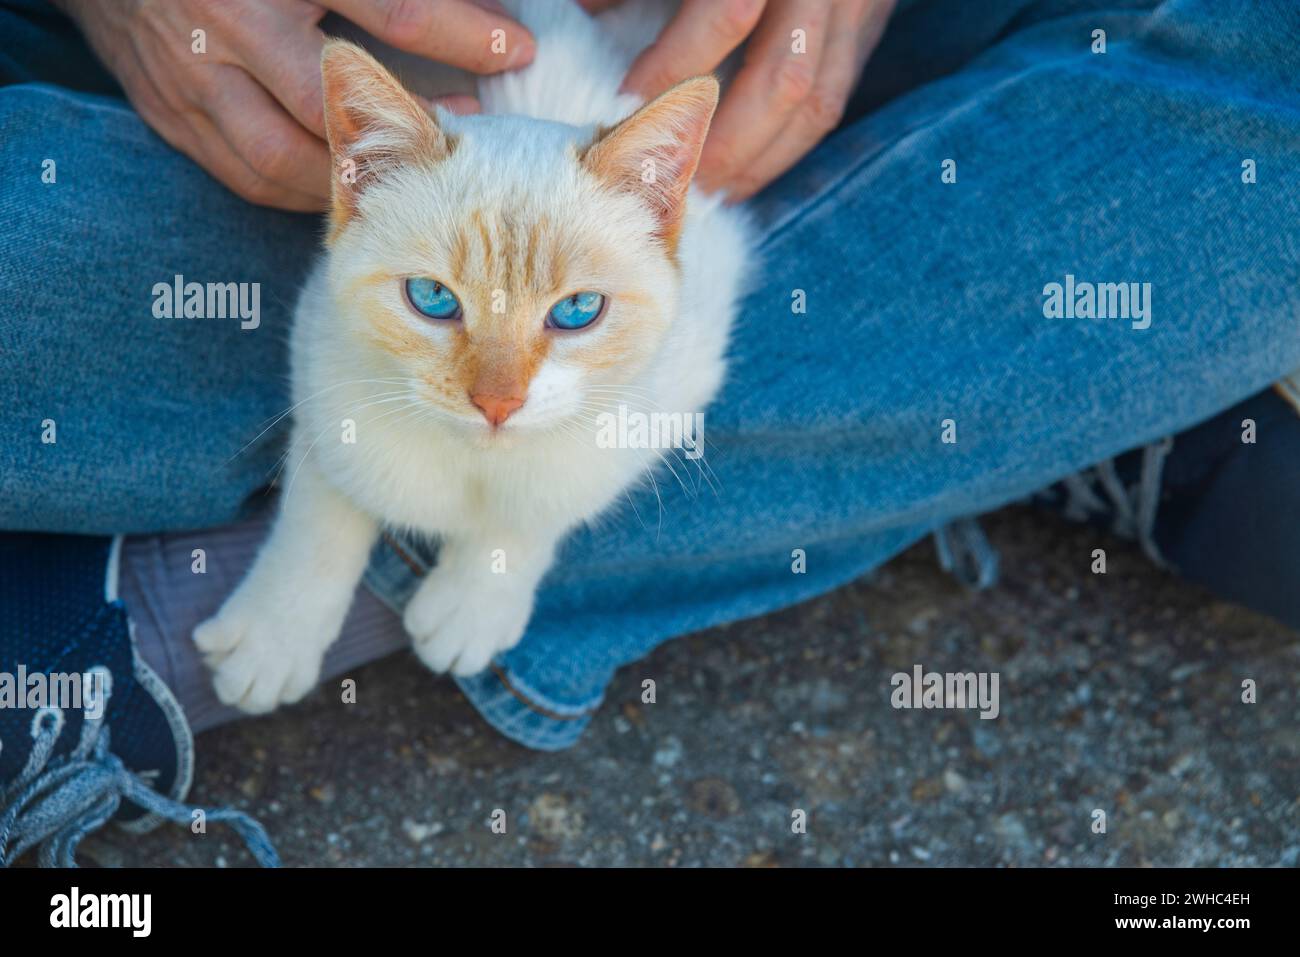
(492, 284)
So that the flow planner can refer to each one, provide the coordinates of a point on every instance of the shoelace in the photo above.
(967, 555)
(1134, 509)
(55, 803)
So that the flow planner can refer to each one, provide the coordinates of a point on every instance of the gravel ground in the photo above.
(1119, 692)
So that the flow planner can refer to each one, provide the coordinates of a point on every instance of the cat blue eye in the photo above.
(431, 298)
(578, 311)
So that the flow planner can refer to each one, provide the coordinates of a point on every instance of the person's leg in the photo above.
(924, 304)
(112, 418)
(925, 308)
(1232, 506)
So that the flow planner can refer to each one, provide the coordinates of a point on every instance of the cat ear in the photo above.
(653, 153)
(372, 124)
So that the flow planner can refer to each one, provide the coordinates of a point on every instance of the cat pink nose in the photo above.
(495, 408)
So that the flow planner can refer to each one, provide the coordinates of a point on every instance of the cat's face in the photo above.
(519, 278)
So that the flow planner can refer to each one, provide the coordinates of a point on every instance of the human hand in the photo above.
(248, 108)
(782, 102)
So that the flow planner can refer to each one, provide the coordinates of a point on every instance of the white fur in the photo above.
(511, 496)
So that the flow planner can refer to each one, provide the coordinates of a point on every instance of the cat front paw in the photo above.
(261, 658)
(461, 629)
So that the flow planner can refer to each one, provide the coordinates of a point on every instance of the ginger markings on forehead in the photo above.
(459, 256)
(485, 242)
(502, 257)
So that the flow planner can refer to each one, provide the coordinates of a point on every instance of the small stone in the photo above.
(1183, 672)
(953, 782)
(669, 753)
(926, 789)
(1182, 764)
(554, 819)
(323, 794)
(442, 765)
(419, 832)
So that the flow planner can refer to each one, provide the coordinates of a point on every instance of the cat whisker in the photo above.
(280, 416)
(703, 469)
(410, 406)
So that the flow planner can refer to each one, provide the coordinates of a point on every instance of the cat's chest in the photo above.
(433, 487)
(440, 485)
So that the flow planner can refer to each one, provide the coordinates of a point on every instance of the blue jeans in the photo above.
(925, 319)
